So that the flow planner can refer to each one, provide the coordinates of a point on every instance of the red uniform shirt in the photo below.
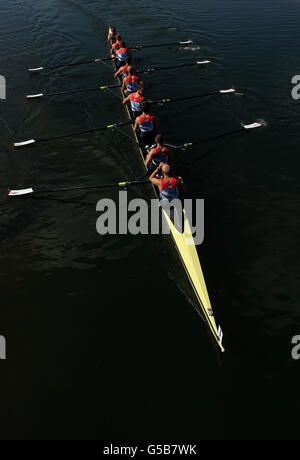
(169, 185)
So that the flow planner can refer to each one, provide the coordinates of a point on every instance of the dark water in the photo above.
(94, 349)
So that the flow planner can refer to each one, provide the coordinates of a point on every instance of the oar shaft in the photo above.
(220, 136)
(59, 66)
(93, 130)
(139, 47)
(245, 128)
(178, 99)
(155, 69)
(74, 91)
(197, 96)
(78, 133)
(92, 187)
(30, 191)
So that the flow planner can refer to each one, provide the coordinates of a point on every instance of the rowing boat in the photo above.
(187, 253)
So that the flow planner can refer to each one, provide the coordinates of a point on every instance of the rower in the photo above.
(112, 35)
(169, 187)
(159, 154)
(121, 55)
(116, 46)
(136, 100)
(123, 71)
(131, 82)
(146, 125)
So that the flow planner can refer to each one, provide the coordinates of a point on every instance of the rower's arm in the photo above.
(136, 125)
(149, 157)
(126, 100)
(124, 86)
(155, 181)
(118, 73)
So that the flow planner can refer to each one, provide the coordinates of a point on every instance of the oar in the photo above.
(220, 136)
(30, 191)
(137, 47)
(85, 90)
(214, 93)
(103, 128)
(155, 69)
(34, 96)
(38, 69)
(140, 47)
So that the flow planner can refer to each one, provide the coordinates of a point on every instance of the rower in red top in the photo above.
(121, 55)
(146, 125)
(112, 35)
(159, 154)
(123, 71)
(136, 100)
(131, 82)
(170, 187)
(116, 46)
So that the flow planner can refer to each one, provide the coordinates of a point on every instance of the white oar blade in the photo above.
(32, 96)
(36, 70)
(188, 42)
(253, 125)
(227, 91)
(26, 191)
(22, 144)
(203, 62)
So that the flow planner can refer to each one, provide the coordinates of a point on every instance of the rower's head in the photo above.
(113, 30)
(131, 70)
(165, 169)
(141, 88)
(122, 43)
(118, 37)
(159, 139)
(145, 107)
